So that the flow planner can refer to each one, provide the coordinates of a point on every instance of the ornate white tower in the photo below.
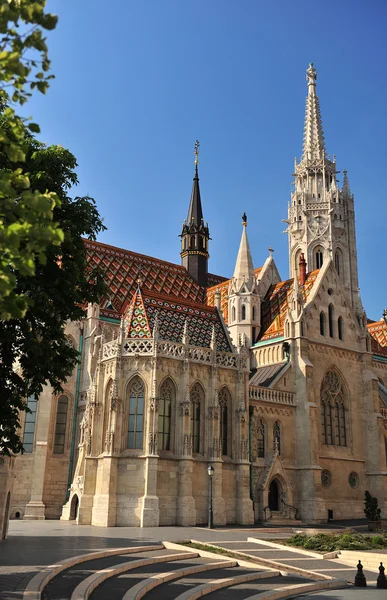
(321, 217)
(243, 298)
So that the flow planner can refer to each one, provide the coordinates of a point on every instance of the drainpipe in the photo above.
(74, 430)
(251, 410)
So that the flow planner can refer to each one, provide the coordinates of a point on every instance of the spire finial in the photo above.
(196, 152)
(271, 250)
(244, 220)
(311, 75)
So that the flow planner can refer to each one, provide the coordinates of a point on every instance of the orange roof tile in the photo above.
(378, 333)
(122, 268)
(275, 305)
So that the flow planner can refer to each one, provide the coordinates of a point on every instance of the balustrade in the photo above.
(268, 395)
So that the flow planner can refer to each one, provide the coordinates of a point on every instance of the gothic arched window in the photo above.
(277, 436)
(233, 314)
(29, 425)
(196, 397)
(322, 323)
(253, 313)
(330, 320)
(333, 417)
(136, 414)
(60, 425)
(261, 439)
(243, 313)
(224, 402)
(340, 328)
(319, 258)
(166, 399)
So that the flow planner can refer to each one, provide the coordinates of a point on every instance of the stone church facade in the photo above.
(280, 385)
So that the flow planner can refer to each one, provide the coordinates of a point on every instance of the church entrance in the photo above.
(274, 496)
(74, 508)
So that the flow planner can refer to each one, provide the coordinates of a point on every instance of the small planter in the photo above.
(374, 525)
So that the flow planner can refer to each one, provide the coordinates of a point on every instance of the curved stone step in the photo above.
(139, 590)
(88, 585)
(36, 585)
(298, 589)
(217, 584)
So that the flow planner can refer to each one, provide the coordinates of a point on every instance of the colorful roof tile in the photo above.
(378, 333)
(275, 305)
(122, 269)
(171, 315)
(135, 319)
(223, 289)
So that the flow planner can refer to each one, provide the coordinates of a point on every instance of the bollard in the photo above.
(360, 580)
(381, 581)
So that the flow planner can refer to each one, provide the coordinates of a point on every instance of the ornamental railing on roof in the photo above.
(269, 395)
(174, 350)
(109, 349)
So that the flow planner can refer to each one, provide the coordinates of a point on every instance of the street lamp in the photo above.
(210, 472)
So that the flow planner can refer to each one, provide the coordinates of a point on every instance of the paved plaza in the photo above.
(32, 545)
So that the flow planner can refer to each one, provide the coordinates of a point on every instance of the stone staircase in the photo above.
(166, 571)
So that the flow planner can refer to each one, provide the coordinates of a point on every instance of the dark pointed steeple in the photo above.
(195, 234)
(195, 212)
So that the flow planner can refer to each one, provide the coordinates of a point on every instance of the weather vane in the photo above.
(196, 150)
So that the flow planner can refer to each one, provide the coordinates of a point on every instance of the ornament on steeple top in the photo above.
(196, 151)
(311, 75)
(244, 219)
(271, 250)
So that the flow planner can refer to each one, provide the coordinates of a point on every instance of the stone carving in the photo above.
(152, 443)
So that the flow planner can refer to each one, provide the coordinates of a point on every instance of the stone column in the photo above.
(150, 514)
(35, 508)
(186, 511)
(244, 504)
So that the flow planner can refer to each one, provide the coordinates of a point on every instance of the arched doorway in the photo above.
(274, 495)
(74, 508)
(6, 515)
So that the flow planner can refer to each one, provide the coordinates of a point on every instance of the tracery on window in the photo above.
(333, 413)
(136, 414)
(196, 397)
(224, 403)
(60, 425)
(166, 399)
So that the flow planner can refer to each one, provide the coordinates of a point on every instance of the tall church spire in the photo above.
(195, 234)
(244, 269)
(314, 145)
(321, 219)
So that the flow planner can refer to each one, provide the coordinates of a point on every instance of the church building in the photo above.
(279, 385)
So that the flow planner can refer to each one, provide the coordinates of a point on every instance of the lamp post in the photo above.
(210, 472)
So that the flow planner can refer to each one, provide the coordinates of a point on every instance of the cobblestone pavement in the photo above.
(32, 545)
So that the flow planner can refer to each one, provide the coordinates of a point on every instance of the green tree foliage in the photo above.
(371, 507)
(27, 224)
(58, 291)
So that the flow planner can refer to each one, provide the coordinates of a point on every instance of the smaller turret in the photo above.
(195, 234)
(244, 301)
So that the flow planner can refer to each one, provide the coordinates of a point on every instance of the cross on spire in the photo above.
(196, 152)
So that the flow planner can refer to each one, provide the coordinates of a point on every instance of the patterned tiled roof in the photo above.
(223, 289)
(275, 305)
(378, 333)
(171, 316)
(136, 320)
(122, 269)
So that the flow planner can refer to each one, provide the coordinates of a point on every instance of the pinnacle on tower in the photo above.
(314, 145)
(346, 188)
(244, 268)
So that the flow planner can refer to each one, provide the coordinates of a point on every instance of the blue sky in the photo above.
(137, 82)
